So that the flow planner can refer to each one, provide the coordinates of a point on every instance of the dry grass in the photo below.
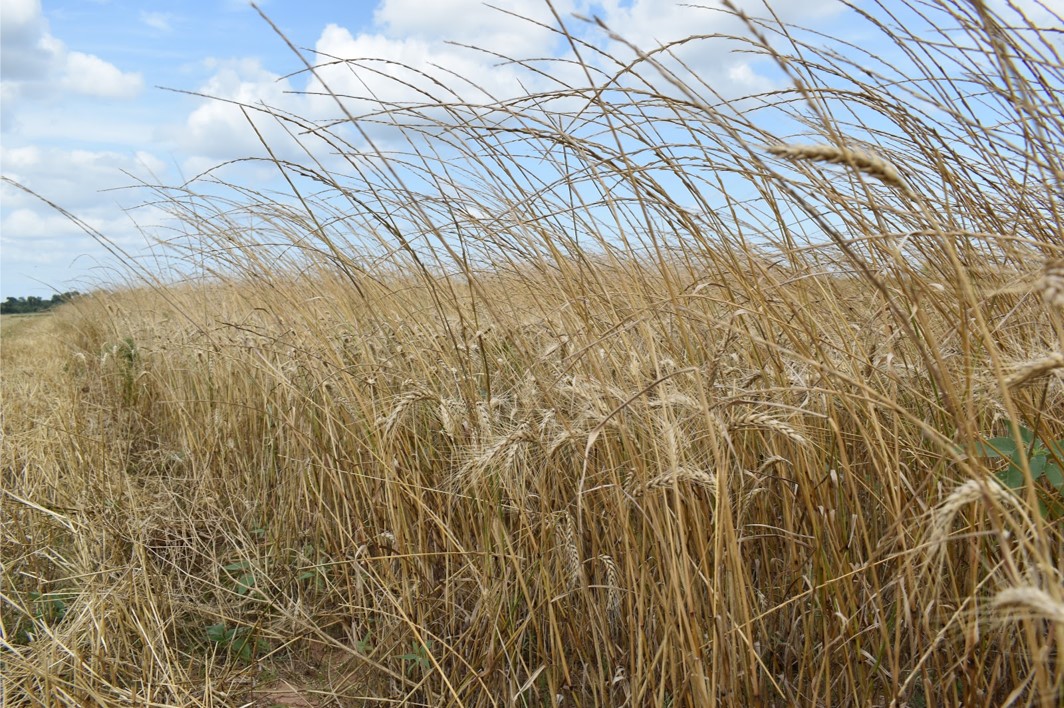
(594, 448)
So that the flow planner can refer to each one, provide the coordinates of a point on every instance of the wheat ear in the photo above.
(1034, 370)
(871, 165)
(1052, 283)
(1037, 602)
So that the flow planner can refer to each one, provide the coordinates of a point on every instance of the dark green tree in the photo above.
(34, 303)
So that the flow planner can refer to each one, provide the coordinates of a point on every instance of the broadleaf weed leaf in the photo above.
(1012, 477)
(1055, 476)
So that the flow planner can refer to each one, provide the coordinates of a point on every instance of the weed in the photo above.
(417, 659)
(1043, 459)
(237, 642)
(242, 576)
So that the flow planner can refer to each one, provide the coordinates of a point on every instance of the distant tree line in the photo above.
(15, 305)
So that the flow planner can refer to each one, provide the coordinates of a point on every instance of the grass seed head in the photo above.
(1032, 371)
(1031, 601)
(859, 160)
(1052, 283)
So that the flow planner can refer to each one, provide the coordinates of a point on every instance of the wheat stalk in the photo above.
(971, 491)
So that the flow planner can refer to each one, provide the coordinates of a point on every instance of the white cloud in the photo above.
(43, 245)
(384, 63)
(377, 70)
(39, 244)
(477, 23)
(16, 13)
(219, 129)
(409, 58)
(409, 70)
(19, 158)
(157, 20)
(27, 50)
(76, 179)
(34, 64)
(90, 75)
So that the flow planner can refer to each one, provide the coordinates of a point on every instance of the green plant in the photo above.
(49, 607)
(1043, 459)
(418, 657)
(315, 577)
(242, 575)
(46, 609)
(127, 362)
(365, 644)
(238, 642)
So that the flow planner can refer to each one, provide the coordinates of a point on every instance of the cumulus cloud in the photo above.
(77, 178)
(27, 50)
(34, 63)
(449, 51)
(92, 76)
(219, 129)
(44, 251)
(513, 27)
(40, 244)
(410, 55)
(389, 71)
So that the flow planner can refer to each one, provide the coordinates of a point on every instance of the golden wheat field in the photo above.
(706, 416)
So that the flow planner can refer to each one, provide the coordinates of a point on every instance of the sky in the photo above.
(85, 110)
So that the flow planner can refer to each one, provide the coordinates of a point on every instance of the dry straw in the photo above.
(674, 304)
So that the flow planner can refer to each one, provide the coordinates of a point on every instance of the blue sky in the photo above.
(81, 109)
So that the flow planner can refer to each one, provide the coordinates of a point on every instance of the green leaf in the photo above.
(1038, 466)
(238, 565)
(216, 633)
(1016, 459)
(1012, 477)
(242, 647)
(1027, 435)
(1051, 508)
(1055, 476)
(245, 583)
(996, 447)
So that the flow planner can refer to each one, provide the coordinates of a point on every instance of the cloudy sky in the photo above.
(85, 111)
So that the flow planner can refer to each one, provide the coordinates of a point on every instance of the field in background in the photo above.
(480, 437)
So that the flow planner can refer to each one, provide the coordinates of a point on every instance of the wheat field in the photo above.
(696, 416)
